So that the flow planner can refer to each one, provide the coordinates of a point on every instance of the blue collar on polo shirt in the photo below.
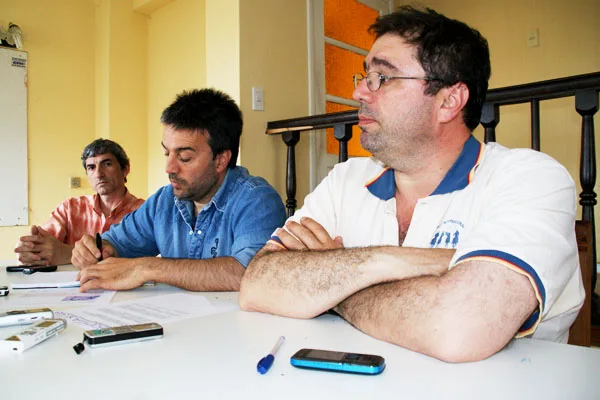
(457, 178)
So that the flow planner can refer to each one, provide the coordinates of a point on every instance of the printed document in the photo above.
(67, 297)
(42, 280)
(51, 289)
(159, 309)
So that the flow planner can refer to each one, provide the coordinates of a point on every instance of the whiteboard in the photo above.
(13, 138)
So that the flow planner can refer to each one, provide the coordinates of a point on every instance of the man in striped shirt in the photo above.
(107, 167)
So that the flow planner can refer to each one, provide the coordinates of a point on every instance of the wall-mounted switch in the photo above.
(74, 182)
(533, 39)
(258, 103)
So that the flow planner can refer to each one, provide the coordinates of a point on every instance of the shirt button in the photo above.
(191, 232)
(199, 232)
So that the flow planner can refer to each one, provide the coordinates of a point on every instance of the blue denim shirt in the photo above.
(237, 222)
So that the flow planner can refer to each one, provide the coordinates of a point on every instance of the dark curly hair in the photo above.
(449, 51)
(210, 110)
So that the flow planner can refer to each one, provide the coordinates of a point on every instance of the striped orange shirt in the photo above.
(78, 216)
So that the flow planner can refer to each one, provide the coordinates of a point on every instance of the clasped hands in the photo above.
(111, 274)
(41, 248)
(307, 234)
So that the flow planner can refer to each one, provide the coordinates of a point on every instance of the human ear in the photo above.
(222, 160)
(454, 99)
(126, 172)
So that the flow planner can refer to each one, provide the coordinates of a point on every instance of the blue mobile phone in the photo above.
(338, 361)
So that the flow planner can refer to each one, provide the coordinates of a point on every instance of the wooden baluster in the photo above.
(343, 133)
(490, 117)
(291, 139)
(535, 124)
(586, 104)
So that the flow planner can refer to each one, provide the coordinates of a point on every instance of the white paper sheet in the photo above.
(62, 279)
(160, 309)
(67, 297)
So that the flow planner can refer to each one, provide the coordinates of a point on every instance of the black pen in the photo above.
(99, 245)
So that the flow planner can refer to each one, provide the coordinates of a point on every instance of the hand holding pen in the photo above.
(99, 245)
(89, 250)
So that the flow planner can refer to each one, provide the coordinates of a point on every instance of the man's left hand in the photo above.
(112, 274)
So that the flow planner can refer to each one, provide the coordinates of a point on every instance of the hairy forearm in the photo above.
(304, 284)
(208, 275)
(452, 317)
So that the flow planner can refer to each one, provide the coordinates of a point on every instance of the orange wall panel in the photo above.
(340, 67)
(348, 21)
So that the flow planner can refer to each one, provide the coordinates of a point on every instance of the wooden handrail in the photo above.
(544, 90)
(312, 122)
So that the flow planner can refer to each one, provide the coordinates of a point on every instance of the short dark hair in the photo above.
(210, 110)
(448, 50)
(105, 146)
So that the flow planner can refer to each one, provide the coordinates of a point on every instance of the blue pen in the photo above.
(265, 363)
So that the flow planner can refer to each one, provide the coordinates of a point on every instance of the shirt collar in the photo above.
(220, 198)
(126, 199)
(458, 177)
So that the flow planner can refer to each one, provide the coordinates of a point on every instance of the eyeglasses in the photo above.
(375, 79)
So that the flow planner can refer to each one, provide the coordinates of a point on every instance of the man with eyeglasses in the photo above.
(439, 243)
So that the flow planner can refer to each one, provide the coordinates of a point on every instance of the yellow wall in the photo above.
(223, 46)
(128, 82)
(121, 84)
(59, 37)
(273, 55)
(176, 61)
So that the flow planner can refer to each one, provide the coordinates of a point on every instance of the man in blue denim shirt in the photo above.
(206, 225)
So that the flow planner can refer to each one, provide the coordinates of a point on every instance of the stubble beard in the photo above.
(198, 191)
(406, 152)
(403, 143)
(106, 189)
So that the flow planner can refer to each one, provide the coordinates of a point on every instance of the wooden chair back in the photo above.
(580, 332)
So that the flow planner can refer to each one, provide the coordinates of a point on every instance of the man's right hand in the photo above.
(86, 253)
(307, 234)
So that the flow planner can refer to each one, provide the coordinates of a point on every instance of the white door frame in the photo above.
(320, 161)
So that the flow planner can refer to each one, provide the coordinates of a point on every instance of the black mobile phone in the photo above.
(30, 269)
(20, 268)
(338, 361)
(16, 268)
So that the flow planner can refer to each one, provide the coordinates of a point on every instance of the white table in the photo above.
(215, 357)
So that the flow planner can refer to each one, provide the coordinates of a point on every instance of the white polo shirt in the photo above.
(513, 207)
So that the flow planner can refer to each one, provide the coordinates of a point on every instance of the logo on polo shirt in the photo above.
(447, 235)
